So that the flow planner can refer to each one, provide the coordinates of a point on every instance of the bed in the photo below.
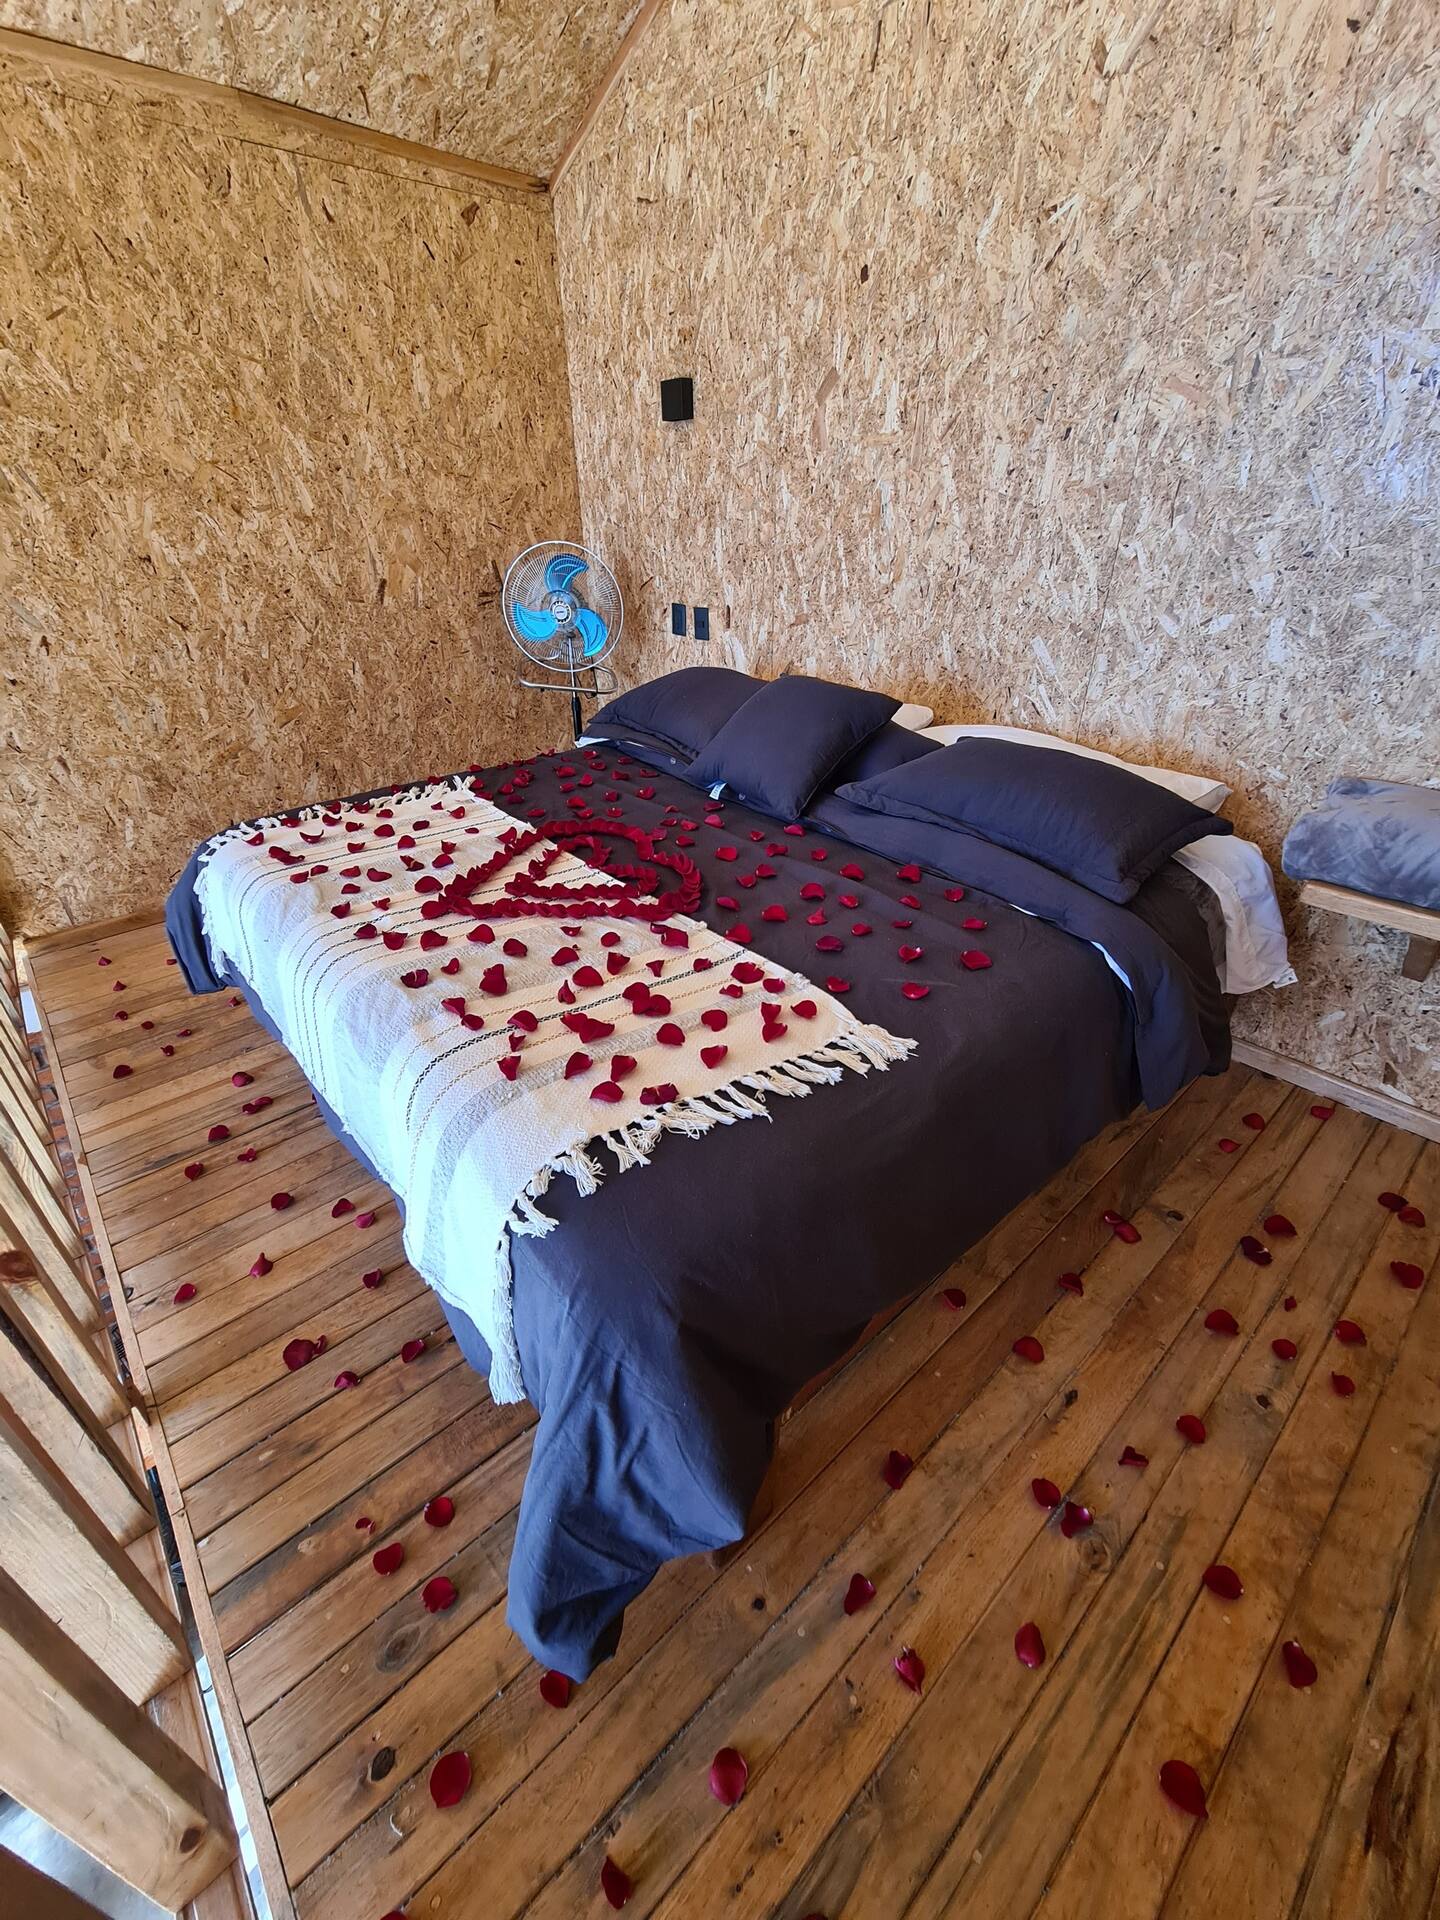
(664, 1315)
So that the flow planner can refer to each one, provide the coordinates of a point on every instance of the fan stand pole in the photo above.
(576, 720)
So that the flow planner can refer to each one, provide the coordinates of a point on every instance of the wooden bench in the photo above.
(1422, 925)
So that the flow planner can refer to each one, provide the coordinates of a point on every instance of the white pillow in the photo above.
(1237, 874)
(911, 717)
(1194, 787)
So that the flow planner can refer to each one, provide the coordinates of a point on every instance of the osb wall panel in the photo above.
(1068, 364)
(496, 81)
(273, 423)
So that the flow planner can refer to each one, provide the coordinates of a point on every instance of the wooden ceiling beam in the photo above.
(614, 73)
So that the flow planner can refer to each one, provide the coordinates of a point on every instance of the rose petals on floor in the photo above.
(615, 1883)
(555, 1689)
(450, 1779)
(897, 1469)
(728, 1775)
(910, 1668)
(1180, 1784)
(1030, 1646)
(859, 1593)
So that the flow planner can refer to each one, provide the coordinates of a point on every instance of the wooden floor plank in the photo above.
(998, 1790)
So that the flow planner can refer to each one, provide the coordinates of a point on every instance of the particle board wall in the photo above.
(1068, 364)
(273, 421)
(494, 80)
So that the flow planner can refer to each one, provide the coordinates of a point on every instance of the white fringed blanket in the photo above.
(473, 1062)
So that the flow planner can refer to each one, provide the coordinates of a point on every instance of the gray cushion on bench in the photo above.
(1374, 836)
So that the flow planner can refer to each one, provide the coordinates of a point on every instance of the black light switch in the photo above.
(702, 623)
(677, 617)
(677, 399)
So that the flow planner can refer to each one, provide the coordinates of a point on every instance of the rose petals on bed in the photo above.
(834, 984)
(1300, 1669)
(910, 1668)
(1075, 1519)
(493, 981)
(915, 990)
(412, 1350)
(1223, 1581)
(1349, 1333)
(1192, 1428)
(659, 1096)
(897, 1469)
(299, 1353)
(827, 943)
(727, 853)
(909, 954)
(615, 1883)
(1132, 1457)
(185, 1292)
(1046, 1493)
(1027, 1347)
(1279, 1227)
(1221, 1320)
(1030, 1646)
(608, 1092)
(859, 1593)
(974, 961)
(416, 977)
(1342, 1385)
(728, 1776)
(1255, 1250)
(450, 1779)
(812, 890)
(394, 939)
(1180, 1784)
(1408, 1274)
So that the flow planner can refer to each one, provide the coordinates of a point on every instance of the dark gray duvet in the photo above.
(674, 1314)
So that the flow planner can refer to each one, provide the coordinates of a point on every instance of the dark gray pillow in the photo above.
(683, 710)
(1380, 837)
(1100, 825)
(788, 739)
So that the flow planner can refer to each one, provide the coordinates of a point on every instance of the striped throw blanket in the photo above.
(479, 1027)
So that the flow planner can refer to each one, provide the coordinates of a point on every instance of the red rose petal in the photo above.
(509, 1065)
(1349, 1333)
(827, 943)
(1300, 1669)
(974, 961)
(911, 1668)
(439, 1511)
(608, 1092)
(1221, 1320)
(834, 984)
(1029, 1348)
(712, 1056)
(555, 1688)
(728, 1775)
(954, 893)
(450, 1779)
(386, 1560)
(240, 1079)
(439, 1594)
(907, 954)
(615, 1883)
(1255, 1250)
(1392, 1202)
(1075, 1519)
(915, 990)
(715, 1018)
(812, 890)
(1411, 1216)
(897, 1469)
(1289, 1303)
(364, 1220)
(954, 1298)
(1321, 1113)
(341, 1208)
(412, 1350)
(122, 1072)
(299, 1353)
(373, 1279)
(194, 1170)
(1192, 1428)
(1228, 1146)
(1131, 1457)
(1342, 1384)
(670, 1035)
(187, 1290)
(1279, 1228)
(1284, 1349)
(365, 1524)
(909, 872)
(804, 1009)
(348, 1378)
(1255, 1122)
(1029, 1646)
(1046, 1493)
(1408, 1274)
(577, 1064)
(1072, 1283)
(1180, 1784)
(1223, 1581)
(859, 1593)
(261, 1267)
(218, 1132)
(280, 1201)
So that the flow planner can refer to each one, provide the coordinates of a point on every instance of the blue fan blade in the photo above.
(560, 571)
(536, 623)
(593, 628)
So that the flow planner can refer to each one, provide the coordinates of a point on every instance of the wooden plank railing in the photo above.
(91, 1646)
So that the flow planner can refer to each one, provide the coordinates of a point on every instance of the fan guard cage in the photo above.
(562, 607)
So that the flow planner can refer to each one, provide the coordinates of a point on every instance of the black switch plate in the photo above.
(677, 399)
(677, 617)
(702, 623)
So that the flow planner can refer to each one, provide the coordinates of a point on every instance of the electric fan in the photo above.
(564, 612)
